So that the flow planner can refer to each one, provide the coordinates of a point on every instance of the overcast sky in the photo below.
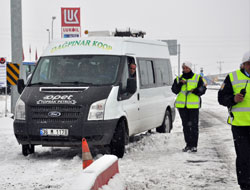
(209, 31)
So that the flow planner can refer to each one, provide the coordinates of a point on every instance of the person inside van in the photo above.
(129, 78)
(132, 70)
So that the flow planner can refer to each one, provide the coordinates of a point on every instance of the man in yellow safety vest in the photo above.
(189, 87)
(235, 94)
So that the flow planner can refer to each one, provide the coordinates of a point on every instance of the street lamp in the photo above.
(49, 34)
(53, 18)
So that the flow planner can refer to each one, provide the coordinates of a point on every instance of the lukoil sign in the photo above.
(71, 22)
(70, 17)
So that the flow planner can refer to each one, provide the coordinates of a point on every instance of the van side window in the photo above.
(143, 73)
(170, 82)
(150, 70)
(124, 92)
(147, 75)
(44, 71)
(163, 72)
(155, 72)
(125, 76)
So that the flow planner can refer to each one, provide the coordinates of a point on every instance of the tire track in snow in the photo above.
(217, 129)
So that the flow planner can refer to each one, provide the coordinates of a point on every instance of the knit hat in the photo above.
(246, 57)
(187, 64)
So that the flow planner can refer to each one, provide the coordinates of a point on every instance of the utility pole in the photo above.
(220, 67)
(194, 67)
(16, 43)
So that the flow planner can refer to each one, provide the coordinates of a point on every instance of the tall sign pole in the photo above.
(16, 42)
(179, 59)
(3, 83)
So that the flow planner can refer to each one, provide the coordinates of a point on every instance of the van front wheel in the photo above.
(118, 141)
(166, 124)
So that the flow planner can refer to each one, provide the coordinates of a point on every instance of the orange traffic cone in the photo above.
(86, 155)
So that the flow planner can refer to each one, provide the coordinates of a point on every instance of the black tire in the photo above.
(166, 124)
(28, 149)
(117, 145)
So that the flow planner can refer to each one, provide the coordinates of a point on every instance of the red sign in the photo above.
(2, 60)
(71, 30)
(70, 17)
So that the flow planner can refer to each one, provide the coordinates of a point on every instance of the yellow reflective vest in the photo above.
(240, 113)
(186, 98)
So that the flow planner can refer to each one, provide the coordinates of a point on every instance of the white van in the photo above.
(81, 88)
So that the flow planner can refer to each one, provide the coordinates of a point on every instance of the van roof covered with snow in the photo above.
(108, 46)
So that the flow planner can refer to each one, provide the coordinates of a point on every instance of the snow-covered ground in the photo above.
(154, 161)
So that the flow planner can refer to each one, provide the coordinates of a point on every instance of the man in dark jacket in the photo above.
(189, 87)
(235, 95)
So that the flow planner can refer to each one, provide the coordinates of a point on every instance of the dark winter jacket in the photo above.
(226, 93)
(133, 75)
(200, 90)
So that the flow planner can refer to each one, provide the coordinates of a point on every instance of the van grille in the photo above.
(62, 89)
(40, 114)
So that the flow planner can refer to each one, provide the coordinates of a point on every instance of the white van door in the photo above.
(129, 101)
(131, 108)
(151, 103)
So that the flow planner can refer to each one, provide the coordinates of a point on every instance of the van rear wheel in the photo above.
(28, 149)
(118, 141)
(166, 124)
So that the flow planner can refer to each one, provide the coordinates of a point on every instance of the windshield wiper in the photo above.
(40, 83)
(77, 83)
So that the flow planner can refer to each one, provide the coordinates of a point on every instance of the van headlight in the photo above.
(20, 110)
(96, 110)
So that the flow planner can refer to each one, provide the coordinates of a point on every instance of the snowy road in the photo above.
(154, 162)
(158, 163)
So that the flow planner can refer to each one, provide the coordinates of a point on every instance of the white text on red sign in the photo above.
(70, 16)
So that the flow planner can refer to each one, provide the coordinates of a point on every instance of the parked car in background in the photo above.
(3, 90)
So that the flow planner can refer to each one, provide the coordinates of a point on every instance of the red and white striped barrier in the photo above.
(97, 174)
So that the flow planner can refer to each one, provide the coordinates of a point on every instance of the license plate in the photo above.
(54, 132)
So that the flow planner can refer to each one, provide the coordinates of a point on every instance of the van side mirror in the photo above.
(28, 78)
(131, 85)
(20, 85)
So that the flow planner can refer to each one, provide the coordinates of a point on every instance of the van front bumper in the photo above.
(95, 132)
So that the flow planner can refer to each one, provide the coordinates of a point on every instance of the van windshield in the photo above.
(76, 70)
